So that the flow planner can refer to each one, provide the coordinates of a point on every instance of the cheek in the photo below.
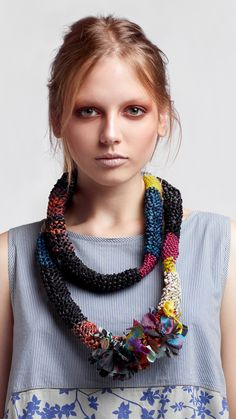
(145, 134)
(146, 142)
(77, 149)
(77, 142)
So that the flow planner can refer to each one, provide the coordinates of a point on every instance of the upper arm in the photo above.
(6, 320)
(228, 326)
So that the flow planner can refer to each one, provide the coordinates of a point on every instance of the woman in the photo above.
(109, 105)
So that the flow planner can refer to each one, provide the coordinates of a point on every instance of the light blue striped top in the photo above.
(47, 355)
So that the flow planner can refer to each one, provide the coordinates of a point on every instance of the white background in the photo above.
(198, 38)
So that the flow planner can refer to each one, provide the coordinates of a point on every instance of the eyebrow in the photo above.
(96, 102)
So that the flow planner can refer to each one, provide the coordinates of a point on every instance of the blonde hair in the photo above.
(89, 39)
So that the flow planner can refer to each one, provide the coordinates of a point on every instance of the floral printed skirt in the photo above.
(183, 402)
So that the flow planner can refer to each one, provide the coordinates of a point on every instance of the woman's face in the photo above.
(113, 113)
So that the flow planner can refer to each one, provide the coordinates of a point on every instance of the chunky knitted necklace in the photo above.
(160, 331)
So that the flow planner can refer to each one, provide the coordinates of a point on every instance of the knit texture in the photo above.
(47, 355)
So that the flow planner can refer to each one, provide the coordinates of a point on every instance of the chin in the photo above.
(111, 178)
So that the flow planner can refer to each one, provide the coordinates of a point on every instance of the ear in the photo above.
(162, 124)
(56, 132)
(56, 128)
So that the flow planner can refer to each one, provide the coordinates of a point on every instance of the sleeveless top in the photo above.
(50, 373)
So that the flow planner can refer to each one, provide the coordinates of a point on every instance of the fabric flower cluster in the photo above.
(159, 334)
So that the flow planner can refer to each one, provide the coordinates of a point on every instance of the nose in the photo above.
(110, 132)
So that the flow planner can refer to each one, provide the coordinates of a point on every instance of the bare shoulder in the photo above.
(4, 275)
(4, 260)
(230, 285)
(186, 212)
(228, 330)
(6, 320)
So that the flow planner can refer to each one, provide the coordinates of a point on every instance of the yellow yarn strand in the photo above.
(169, 264)
(152, 181)
(168, 308)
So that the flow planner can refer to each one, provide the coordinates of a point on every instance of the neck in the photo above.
(107, 206)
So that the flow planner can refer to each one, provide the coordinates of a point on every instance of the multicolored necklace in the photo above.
(160, 331)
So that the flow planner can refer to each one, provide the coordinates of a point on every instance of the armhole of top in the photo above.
(11, 264)
(226, 251)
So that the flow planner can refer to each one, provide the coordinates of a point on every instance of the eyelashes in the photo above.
(137, 108)
(79, 112)
(87, 112)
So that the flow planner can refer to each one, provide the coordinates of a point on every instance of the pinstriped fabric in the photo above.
(46, 355)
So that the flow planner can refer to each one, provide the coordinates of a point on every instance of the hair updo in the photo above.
(89, 39)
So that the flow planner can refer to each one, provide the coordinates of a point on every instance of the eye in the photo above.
(84, 112)
(136, 109)
(87, 112)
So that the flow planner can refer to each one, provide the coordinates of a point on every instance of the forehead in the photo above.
(112, 78)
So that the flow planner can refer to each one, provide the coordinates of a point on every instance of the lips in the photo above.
(110, 156)
(112, 162)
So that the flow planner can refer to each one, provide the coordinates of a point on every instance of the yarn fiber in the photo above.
(160, 331)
